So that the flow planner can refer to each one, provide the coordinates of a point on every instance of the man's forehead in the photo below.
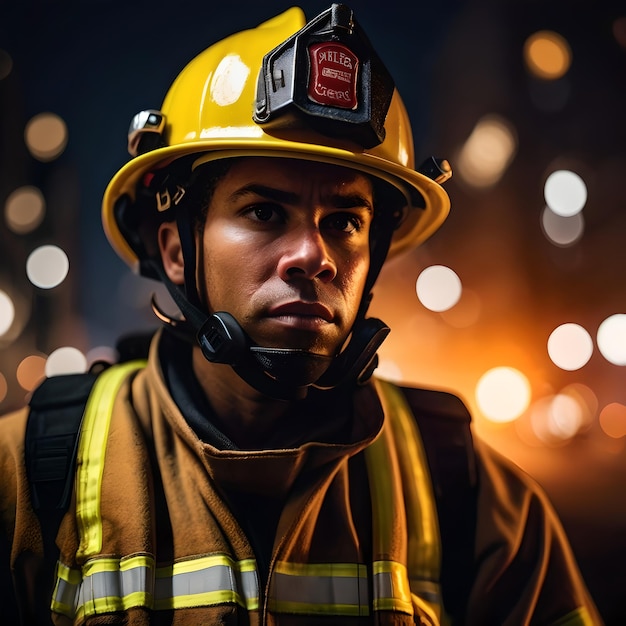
(287, 171)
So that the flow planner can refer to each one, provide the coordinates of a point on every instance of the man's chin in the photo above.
(289, 339)
(292, 367)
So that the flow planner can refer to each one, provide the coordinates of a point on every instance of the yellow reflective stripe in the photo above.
(65, 589)
(206, 581)
(391, 587)
(422, 524)
(400, 437)
(319, 589)
(91, 452)
(110, 585)
(107, 585)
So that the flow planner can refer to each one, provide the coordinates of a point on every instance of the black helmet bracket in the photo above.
(327, 77)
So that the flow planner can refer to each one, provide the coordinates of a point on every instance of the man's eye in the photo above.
(345, 223)
(265, 213)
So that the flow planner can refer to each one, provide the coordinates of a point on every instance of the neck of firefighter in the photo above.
(244, 414)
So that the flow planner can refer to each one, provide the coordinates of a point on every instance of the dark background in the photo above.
(98, 63)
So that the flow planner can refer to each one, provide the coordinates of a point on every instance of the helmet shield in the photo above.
(327, 77)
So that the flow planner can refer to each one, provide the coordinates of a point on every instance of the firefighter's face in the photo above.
(285, 249)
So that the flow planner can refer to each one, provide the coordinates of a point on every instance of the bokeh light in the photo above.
(565, 193)
(570, 346)
(47, 266)
(7, 312)
(46, 136)
(562, 231)
(556, 419)
(503, 394)
(612, 420)
(586, 399)
(65, 360)
(611, 339)
(24, 209)
(547, 55)
(487, 153)
(438, 288)
(31, 371)
(566, 416)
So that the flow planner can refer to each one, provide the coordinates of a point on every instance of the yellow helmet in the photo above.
(220, 105)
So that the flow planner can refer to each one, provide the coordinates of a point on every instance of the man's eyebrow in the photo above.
(338, 200)
(351, 201)
(271, 193)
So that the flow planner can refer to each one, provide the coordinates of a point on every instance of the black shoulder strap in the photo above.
(444, 424)
(50, 447)
(56, 412)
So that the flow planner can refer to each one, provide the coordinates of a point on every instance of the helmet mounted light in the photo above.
(327, 77)
(146, 132)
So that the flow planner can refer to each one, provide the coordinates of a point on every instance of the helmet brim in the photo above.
(427, 203)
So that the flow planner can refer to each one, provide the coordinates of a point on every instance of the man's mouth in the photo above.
(301, 315)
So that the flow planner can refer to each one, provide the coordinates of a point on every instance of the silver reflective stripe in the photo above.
(391, 588)
(108, 585)
(206, 581)
(321, 589)
(64, 597)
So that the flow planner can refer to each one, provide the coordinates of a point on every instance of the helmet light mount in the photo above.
(146, 132)
(328, 77)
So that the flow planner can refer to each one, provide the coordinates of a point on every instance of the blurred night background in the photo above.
(517, 304)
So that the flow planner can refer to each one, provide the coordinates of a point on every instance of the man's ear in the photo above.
(171, 252)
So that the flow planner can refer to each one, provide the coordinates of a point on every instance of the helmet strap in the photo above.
(187, 235)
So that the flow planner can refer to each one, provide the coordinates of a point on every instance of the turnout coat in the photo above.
(172, 524)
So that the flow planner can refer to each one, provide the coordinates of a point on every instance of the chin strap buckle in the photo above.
(359, 360)
(222, 340)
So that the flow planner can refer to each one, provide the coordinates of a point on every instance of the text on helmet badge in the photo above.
(334, 72)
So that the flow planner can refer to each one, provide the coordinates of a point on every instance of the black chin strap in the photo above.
(284, 374)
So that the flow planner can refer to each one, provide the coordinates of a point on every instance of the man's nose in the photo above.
(306, 255)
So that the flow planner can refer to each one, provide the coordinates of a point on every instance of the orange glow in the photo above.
(31, 371)
(613, 420)
(466, 312)
(547, 55)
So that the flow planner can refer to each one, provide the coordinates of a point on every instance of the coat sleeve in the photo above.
(526, 572)
(24, 594)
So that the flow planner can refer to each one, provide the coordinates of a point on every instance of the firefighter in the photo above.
(253, 469)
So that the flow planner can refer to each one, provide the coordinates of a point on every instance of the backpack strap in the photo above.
(50, 445)
(56, 412)
(445, 426)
